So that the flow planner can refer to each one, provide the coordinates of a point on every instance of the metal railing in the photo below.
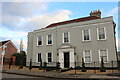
(111, 65)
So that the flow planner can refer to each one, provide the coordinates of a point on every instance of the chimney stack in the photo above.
(96, 13)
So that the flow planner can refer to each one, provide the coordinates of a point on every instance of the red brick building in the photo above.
(9, 50)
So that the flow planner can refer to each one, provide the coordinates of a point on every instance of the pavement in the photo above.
(60, 75)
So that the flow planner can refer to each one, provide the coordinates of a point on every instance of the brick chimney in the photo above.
(96, 13)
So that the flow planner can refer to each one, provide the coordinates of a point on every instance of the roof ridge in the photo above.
(73, 20)
(4, 42)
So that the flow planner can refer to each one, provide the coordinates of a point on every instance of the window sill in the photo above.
(49, 62)
(88, 62)
(66, 42)
(86, 41)
(39, 45)
(38, 62)
(49, 44)
(102, 39)
(104, 62)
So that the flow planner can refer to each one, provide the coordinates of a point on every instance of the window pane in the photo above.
(87, 56)
(66, 35)
(86, 35)
(103, 54)
(40, 40)
(66, 39)
(87, 59)
(101, 32)
(87, 53)
(49, 57)
(49, 54)
(49, 60)
(49, 39)
(39, 57)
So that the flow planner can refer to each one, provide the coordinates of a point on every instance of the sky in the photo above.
(19, 17)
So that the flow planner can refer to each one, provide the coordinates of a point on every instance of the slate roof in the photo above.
(73, 21)
(3, 42)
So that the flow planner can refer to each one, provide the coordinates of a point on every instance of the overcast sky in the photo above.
(19, 18)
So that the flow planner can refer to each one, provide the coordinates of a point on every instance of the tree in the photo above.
(22, 57)
(17, 55)
(102, 68)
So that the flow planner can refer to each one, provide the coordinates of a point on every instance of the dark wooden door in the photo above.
(66, 60)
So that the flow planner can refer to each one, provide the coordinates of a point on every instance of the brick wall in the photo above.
(10, 50)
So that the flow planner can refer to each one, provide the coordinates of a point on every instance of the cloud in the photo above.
(14, 14)
(118, 43)
(113, 11)
(43, 20)
(2, 38)
(12, 21)
(28, 16)
(22, 9)
(14, 34)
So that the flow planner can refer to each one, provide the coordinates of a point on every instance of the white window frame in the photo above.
(98, 33)
(106, 54)
(47, 57)
(90, 55)
(83, 35)
(37, 57)
(68, 37)
(47, 39)
(42, 40)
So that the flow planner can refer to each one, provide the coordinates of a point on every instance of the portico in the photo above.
(66, 56)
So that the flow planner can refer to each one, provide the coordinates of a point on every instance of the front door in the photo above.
(66, 60)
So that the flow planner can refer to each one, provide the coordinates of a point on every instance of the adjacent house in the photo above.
(9, 50)
(118, 55)
(67, 42)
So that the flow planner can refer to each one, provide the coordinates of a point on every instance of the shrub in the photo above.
(65, 69)
(30, 66)
(102, 68)
(83, 66)
(77, 67)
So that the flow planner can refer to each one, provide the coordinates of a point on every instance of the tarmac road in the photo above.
(6, 76)
(22, 77)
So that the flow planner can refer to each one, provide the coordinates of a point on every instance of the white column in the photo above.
(72, 60)
(61, 59)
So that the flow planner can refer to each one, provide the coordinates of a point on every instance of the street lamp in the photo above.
(3, 53)
(2, 56)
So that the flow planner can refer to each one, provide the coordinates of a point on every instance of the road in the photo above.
(22, 77)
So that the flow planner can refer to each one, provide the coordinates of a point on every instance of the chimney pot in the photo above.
(96, 13)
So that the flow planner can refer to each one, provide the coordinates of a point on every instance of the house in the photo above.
(9, 50)
(67, 42)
